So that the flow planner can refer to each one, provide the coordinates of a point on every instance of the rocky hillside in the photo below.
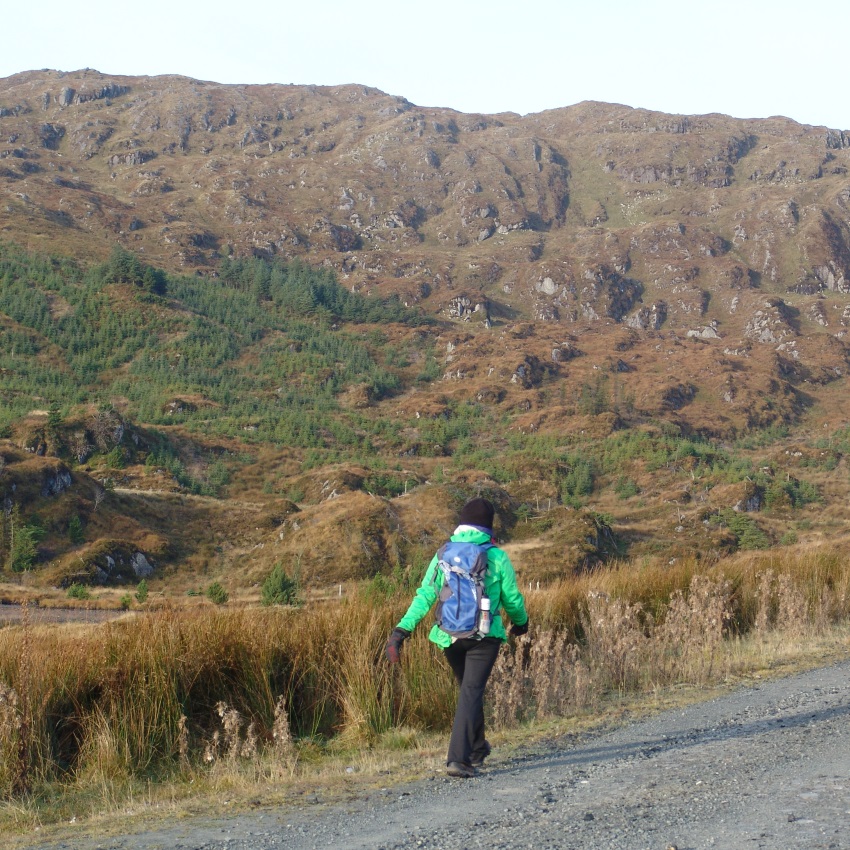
(589, 268)
(586, 212)
(704, 228)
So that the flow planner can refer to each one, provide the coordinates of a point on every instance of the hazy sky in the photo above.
(746, 58)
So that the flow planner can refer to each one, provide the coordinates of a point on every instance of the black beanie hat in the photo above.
(478, 512)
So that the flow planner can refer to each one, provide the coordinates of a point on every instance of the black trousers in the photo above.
(472, 662)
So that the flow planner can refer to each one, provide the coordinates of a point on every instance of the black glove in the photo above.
(516, 630)
(393, 649)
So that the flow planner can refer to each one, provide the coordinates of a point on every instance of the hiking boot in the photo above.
(460, 770)
(477, 759)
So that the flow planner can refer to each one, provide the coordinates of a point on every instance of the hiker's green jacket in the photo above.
(499, 584)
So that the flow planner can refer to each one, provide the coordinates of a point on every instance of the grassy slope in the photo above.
(224, 411)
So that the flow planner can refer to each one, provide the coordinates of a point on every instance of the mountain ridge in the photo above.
(585, 216)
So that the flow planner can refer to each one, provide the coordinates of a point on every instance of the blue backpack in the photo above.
(458, 611)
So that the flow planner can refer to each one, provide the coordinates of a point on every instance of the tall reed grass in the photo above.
(175, 691)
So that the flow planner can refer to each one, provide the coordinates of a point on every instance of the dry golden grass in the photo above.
(11, 740)
(236, 697)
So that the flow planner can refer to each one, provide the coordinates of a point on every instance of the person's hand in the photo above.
(516, 630)
(393, 648)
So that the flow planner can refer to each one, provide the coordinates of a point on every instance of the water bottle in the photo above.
(484, 620)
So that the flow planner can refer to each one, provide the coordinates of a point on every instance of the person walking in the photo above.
(471, 653)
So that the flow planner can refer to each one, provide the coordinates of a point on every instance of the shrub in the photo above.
(115, 458)
(279, 588)
(577, 482)
(24, 541)
(791, 493)
(399, 583)
(142, 592)
(747, 533)
(594, 398)
(218, 476)
(75, 530)
(78, 591)
(625, 488)
(23, 550)
(384, 484)
(216, 593)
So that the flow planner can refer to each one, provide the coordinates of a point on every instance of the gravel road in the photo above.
(767, 766)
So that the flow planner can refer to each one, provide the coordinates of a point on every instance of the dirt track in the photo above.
(767, 766)
(14, 614)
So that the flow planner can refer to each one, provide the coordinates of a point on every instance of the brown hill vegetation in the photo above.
(596, 271)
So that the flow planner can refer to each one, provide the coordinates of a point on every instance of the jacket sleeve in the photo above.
(426, 596)
(512, 600)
